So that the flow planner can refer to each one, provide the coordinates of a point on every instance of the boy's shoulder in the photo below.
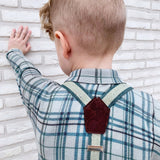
(145, 96)
(147, 102)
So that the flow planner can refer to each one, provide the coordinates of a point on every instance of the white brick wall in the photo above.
(138, 63)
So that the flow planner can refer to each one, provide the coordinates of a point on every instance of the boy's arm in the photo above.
(32, 85)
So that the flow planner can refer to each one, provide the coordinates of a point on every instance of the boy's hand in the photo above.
(20, 39)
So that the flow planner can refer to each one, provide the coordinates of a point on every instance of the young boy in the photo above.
(94, 114)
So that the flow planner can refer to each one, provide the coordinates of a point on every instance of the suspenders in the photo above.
(108, 99)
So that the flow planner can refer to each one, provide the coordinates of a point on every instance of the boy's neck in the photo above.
(92, 62)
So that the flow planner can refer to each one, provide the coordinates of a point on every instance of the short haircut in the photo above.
(96, 25)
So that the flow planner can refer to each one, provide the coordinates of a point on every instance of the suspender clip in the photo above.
(95, 148)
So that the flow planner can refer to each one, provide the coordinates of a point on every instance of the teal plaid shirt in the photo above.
(133, 131)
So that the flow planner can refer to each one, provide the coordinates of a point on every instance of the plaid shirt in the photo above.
(133, 131)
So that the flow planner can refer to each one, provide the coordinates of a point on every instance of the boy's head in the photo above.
(93, 27)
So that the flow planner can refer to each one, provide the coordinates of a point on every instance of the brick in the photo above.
(51, 59)
(14, 139)
(1, 103)
(123, 56)
(12, 114)
(156, 88)
(138, 24)
(5, 30)
(30, 147)
(36, 31)
(11, 3)
(43, 45)
(138, 3)
(35, 59)
(9, 75)
(1, 130)
(145, 73)
(152, 81)
(153, 63)
(51, 71)
(148, 35)
(137, 45)
(0, 75)
(145, 35)
(147, 55)
(155, 5)
(125, 75)
(20, 16)
(129, 35)
(19, 126)
(7, 153)
(134, 83)
(3, 61)
(142, 14)
(33, 3)
(128, 65)
(30, 156)
(13, 101)
(8, 88)
(3, 48)
(156, 26)
(157, 45)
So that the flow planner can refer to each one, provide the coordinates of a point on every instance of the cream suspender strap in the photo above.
(114, 94)
(78, 92)
(108, 98)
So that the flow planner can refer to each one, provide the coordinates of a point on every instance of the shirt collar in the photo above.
(95, 76)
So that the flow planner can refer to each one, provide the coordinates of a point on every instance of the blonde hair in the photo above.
(96, 25)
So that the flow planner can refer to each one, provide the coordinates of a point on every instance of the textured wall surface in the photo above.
(138, 63)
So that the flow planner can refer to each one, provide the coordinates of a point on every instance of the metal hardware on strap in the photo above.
(95, 148)
(96, 139)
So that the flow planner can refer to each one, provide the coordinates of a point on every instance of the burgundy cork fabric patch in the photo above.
(96, 116)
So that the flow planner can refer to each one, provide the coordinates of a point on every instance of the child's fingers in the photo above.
(19, 32)
(27, 36)
(28, 47)
(24, 32)
(13, 33)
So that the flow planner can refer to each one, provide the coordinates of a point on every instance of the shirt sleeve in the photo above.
(33, 87)
(156, 129)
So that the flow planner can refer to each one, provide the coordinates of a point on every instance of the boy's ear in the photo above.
(64, 44)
